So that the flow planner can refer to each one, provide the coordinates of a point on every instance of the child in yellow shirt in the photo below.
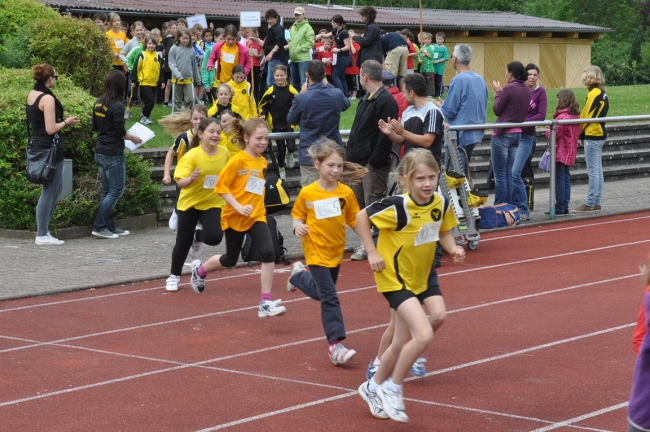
(243, 100)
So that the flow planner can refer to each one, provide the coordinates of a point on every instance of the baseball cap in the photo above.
(387, 77)
(299, 11)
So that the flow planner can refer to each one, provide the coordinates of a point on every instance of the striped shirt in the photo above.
(427, 119)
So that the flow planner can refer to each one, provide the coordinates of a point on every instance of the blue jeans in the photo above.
(112, 170)
(338, 74)
(269, 71)
(298, 71)
(562, 188)
(594, 159)
(504, 151)
(524, 151)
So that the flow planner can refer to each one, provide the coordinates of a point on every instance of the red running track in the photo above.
(538, 338)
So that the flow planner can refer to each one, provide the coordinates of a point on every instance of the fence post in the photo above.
(551, 185)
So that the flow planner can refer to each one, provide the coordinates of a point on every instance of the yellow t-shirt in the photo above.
(200, 194)
(408, 234)
(325, 213)
(182, 143)
(231, 145)
(243, 172)
(229, 58)
(117, 40)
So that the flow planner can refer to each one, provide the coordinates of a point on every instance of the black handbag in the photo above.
(276, 194)
(41, 164)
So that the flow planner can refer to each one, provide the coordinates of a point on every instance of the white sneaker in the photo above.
(283, 174)
(128, 114)
(48, 240)
(376, 407)
(121, 233)
(172, 283)
(359, 254)
(341, 355)
(296, 267)
(197, 282)
(173, 221)
(393, 403)
(291, 161)
(197, 246)
(270, 308)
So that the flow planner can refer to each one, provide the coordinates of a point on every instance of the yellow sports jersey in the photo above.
(117, 40)
(326, 214)
(229, 58)
(243, 101)
(229, 142)
(408, 234)
(243, 177)
(182, 143)
(200, 194)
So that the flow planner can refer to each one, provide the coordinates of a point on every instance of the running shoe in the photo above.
(297, 267)
(197, 246)
(172, 283)
(376, 407)
(393, 403)
(48, 240)
(283, 174)
(372, 370)
(341, 355)
(173, 221)
(270, 308)
(128, 114)
(418, 369)
(105, 233)
(119, 232)
(197, 282)
(291, 161)
(359, 254)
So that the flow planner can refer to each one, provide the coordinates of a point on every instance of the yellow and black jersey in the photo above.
(408, 234)
(596, 106)
(181, 144)
(275, 105)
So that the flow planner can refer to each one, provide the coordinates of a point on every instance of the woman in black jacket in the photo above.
(370, 42)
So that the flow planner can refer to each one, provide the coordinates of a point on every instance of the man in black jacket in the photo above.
(367, 146)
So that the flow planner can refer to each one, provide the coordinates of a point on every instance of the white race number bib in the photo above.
(327, 208)
(255, 185)
(228, 58)
(210, 181)
(428, 233)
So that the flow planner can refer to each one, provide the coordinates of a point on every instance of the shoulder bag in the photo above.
(41, 164)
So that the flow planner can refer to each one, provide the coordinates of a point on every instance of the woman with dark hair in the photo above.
(342, 51)
(274, 44)
(45, 114)
(108, 122)
(510, 105)
(370, 42)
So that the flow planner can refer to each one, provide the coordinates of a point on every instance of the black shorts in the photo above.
(396, 298)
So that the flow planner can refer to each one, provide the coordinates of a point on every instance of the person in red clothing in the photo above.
(327, 57)
(413, 53)
(641, 328)
(352, 71)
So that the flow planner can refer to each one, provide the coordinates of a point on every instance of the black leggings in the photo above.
(148, 96)
(261, 235)
(284, 145)
(211, 234)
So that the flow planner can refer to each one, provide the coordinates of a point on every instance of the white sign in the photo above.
(197, 19)
(427, 234)
(327, 208)
(210, 181)
(255, 185)
(250, 19)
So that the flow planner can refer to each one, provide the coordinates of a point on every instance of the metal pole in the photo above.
(551, 185)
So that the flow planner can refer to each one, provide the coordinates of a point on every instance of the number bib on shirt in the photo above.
(210, 181)
(327, 208)
(228, 58)
(435, 55)
(255, 185)
(428, 233)
(119, 43)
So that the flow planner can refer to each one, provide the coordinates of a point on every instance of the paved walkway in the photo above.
(30, 270)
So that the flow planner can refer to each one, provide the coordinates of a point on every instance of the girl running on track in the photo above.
(196, 175)
(409, 226)
(320, 214)
(185, 125)
(241, 185)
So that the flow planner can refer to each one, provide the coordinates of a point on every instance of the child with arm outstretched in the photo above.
(320, 214)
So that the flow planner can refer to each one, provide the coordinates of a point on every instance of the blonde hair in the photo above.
(176, 124)
(240, 128)
(411, 161)
(324, 148)
(593, 77)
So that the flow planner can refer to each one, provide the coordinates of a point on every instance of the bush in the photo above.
(613, 57)
(16, 15)
(76, 48)
(15, 53)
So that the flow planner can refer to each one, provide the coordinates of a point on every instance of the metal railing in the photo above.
(552, 124)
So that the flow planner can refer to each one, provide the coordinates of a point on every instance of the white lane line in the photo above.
(583, 417)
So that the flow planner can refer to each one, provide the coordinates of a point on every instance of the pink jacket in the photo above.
(566, 138)
(244, 58)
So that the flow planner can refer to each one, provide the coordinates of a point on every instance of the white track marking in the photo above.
(583, 417)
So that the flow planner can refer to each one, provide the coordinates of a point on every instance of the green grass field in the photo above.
(624, 100)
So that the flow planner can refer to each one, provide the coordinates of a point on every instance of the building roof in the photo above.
(386, 17)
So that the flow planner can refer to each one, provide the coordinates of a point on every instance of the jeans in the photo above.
(298, 71)
(594, 159)
(562, 188)
(338, 74)
(319, 285)
(524, 151)
(504, 151)
(269, 71)
(438, 83)
(47, 201)
(112, 170)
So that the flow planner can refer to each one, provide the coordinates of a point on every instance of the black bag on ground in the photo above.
(276, 194)
(249, 253)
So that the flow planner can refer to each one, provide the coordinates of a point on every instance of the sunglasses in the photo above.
(55, 76)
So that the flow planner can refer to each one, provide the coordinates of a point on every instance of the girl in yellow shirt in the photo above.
(228, 140)
(243, 100)
(241, 184)
(196, 175)
(320, 214)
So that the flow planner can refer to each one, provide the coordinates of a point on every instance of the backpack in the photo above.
(498, 216)
(249, 253)
(276, 194)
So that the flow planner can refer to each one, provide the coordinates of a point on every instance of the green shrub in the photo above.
(19, 14)
(15, 53)
(76, 48)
